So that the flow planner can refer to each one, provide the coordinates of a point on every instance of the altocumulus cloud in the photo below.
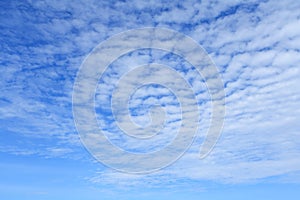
(255, 45)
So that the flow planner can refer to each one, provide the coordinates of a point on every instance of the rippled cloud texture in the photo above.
(254, 44)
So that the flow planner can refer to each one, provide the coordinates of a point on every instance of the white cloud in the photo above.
(257, 52)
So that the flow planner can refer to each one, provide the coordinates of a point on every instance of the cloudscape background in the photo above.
(254, 44)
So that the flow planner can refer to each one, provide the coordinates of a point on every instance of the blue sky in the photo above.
(255, 46)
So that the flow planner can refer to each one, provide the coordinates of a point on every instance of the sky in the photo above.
(252, 46)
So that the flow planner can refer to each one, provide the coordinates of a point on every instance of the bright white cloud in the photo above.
(255, 45)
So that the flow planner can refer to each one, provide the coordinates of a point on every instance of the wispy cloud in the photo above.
(255, 44)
